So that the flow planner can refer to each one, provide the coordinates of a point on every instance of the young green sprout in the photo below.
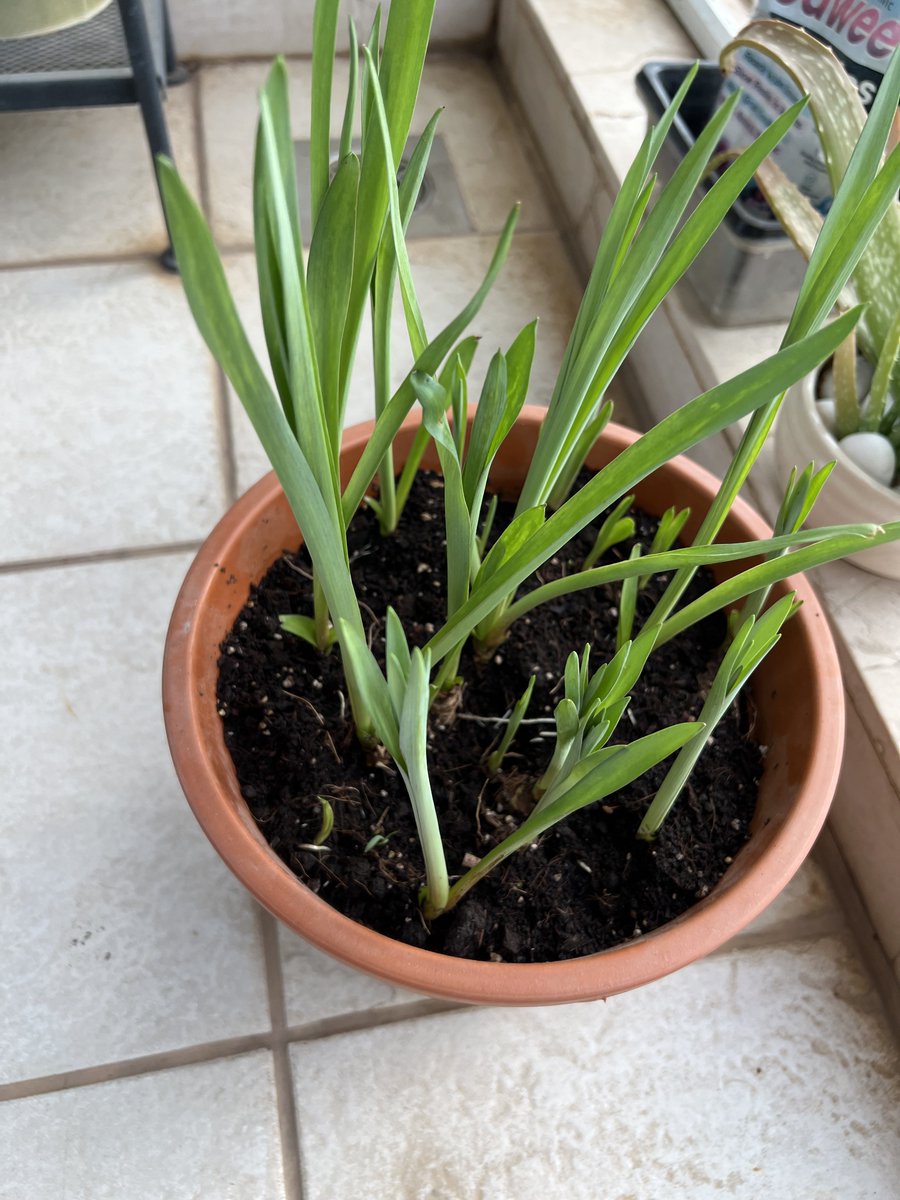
(616, 527)
(588, 714)
(327, 822)
(628, 602)
(753, 641)
(667, 533)
(495, 759)
(400, 712)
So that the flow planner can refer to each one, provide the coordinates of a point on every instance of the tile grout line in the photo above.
(92, 557)
(148, 257)
(234, 249)
(359, 1022)
(146, 1064)
(282, 1035)
(224, 429)
(281, 1060)
(207, 1052)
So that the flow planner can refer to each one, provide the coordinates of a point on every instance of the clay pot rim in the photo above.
(729, 907)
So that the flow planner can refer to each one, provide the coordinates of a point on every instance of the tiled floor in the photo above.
(159, 1036)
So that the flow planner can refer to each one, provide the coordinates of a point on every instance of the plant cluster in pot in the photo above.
(849, 410)
(418, 723)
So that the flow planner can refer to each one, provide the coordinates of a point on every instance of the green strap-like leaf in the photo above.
(495, 760)
(673, 560)
(839, 545)
(603, 362)
(708, 414)
(414, 322)
(271, 283)
(620, 228)
(881, 380)
(618, 766)
(217, 319)
(488, 417)
(502, 397)
(403, 399)
(399, 74)
(413, 749)
(460, 534)
(752, 643)
(462, 357)
(328, 280)
(514, 538)
(270, 286)
(308, 409)
(369, 690)
(386, 270)
(616, 528)
(325, 21)
(628, 603)
(346, 142)
(566, 413)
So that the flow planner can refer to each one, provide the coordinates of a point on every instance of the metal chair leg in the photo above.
(149, 88)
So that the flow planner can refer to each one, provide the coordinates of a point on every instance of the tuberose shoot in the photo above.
(316, 286)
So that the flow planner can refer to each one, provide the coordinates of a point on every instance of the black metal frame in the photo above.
(143, 87)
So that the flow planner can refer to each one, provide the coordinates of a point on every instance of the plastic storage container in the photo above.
(750, 271)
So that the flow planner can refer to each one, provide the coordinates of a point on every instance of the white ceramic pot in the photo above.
(850, 495)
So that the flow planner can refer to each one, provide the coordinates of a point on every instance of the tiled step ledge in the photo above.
(570, 66)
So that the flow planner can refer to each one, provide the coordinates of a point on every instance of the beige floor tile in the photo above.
(485, 149)
(109, 400)
(537, 279)
(228, 107)
(762, 1073)
(484, 144)
(77, 183)
(123, 934)
(317, 986)
(193, 1133)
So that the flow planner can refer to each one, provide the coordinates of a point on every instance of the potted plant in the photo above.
(402, 721)
(850, 410)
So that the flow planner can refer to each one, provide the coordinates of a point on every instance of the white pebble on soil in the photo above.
(872, 453)
(827, 414)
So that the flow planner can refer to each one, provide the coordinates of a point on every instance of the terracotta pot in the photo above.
(850, 495)
(801, 720)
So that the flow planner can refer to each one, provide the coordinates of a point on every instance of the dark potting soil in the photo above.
(586, 884)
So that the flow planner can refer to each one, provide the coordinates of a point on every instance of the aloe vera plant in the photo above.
(868, 426)
(313, 303)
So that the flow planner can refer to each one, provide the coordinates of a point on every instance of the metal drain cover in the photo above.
(440, 211)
